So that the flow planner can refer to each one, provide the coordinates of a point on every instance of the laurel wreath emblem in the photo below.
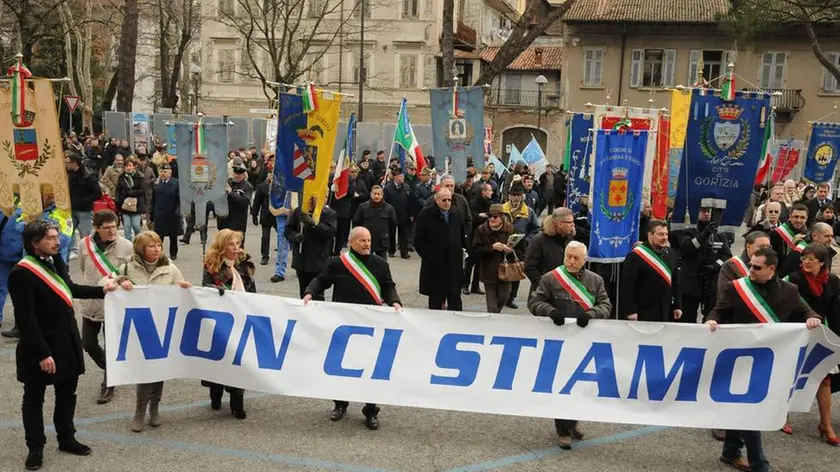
(740, 146)
(616, 217)
(24, 168)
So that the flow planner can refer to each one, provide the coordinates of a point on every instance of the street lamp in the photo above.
(195, 74)
(540, 81)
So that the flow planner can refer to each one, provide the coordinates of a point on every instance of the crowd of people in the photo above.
(485, 236)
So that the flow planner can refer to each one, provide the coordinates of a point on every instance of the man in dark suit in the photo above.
(239, 192)
(650, 287)
(399, 195)
(49, 351)
(819, 201)
(439, 240)
(165, 210)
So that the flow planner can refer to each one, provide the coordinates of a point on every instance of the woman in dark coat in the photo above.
(439, 240)
(821, 290)
(490, 246)
(165, 209)
(228, 267)
(131, 184)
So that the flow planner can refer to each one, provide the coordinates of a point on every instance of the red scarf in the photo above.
(816, 282)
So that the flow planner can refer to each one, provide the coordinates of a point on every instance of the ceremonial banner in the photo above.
(535, 157)
(271, 133)
(740, 377)
(305, 144)
(787, 157)
(680, 104)
(140, 130)
(659, 181)
(723, 147)
(203, 174)
(460, 134)
(823, 144)
(616, 191)
(31, 156)
(579, 150)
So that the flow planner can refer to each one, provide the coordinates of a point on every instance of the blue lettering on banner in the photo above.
(146, 329)
(267, 355)
(387, 354)
(512, 348)
(222, 327)
(804, 366)
(652, 360)
(465, 362)
(604, 374)
(547, 369)
(338, 347)
(759, 376)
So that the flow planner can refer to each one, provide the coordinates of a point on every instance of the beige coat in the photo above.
(165, 272)
(108, 182)
(118, 253)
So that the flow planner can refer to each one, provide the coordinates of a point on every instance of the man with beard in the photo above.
(377, 216)
(782, 239)
(650, 282)
(360, 277)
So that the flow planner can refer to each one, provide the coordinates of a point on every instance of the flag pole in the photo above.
(391, 151)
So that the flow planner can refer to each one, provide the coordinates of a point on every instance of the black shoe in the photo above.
(264, 260)
(106, 394)
(277, 278)
(392, 254)
(511, 304)
(34, 460)
(465, 290)
(338, 413)
(237, 405)
(477, 290)
(405, 255)
(371, 420)
(216, 399)
(71, 446)
(173, 258)
(12, 333)
(719, 434)
(184, 240)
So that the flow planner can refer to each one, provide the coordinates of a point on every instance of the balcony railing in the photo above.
(523, 99)
(465, 35)
(787, 101)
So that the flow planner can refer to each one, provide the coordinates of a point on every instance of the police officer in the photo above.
(702, 252)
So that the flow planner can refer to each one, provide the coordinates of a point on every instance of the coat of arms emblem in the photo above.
(824, 154)
(727, 135)
(619, 197)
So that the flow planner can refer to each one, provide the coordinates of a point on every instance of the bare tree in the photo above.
(178, 24)
(79, 29)
(535, 20)
(448, 41)
(749, 20)
(36, 20)
(127, 55)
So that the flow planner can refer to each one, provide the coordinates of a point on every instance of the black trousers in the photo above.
(451, 298)
(265, 240)
(564, 427)
(342, 232)
(90, 343)
(173, 243)
(690, 306)
(471, 271)
(404, 230)
(366, 410)
(303, 281)
(382, 254)
(514, 290)
(33, 412)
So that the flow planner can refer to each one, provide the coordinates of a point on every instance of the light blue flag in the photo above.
(500, 166)
(458, 137)
(203, 178)
(515, 156)
(534, 156)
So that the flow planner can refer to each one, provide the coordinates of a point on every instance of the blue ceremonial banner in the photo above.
(290, 119)
(202, 178)
(459, 137)
(616, 193)
(822, 152)
(722, 150)
(579, 156)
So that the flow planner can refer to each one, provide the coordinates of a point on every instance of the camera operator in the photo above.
(702, 252)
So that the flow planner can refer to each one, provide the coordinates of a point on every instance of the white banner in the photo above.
(740, 377)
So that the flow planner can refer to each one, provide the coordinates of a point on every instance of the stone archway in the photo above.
(520, 136)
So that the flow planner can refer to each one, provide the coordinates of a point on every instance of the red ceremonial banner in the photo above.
(661, 170)
(787, 160)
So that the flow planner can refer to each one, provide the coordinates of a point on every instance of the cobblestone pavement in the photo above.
(289, 433)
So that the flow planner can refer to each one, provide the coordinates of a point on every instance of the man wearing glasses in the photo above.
(760, 297)
(101, 254)
(439, 239)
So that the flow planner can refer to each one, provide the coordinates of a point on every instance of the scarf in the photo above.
(236, 284)
(129, 178)
(816, 282)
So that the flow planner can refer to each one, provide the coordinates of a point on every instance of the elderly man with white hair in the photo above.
(821, 233)
(571, 291)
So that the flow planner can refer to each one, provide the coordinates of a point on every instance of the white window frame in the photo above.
(829, 82)
(417, 71)
(774, 80)
(638, 60)
(221, 70)
(593, 67)
(221, 14)
(406, 13)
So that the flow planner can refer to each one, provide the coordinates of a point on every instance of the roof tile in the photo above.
(647, 11)
(552, 58)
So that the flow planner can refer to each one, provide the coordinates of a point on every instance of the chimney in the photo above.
(538, 53)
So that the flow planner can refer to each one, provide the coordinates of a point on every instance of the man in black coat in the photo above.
(479, 208)
(650, 282)
(347, 288)
(359, 193)
(311, 243)
(342, 212)
(84, 190)
(239, 192)
(377, 216)
(782, 237)
(165, 210)
(819, 201)
(398, 194)
(262, 217)
(49, 351)
(439, 240)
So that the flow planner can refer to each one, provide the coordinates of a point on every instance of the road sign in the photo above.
(72, 102)
(262, 111)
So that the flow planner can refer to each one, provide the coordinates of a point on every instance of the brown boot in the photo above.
(154, 401)
(143, 391)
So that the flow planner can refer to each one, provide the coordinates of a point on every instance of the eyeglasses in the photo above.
(108, 228)
(756, 267)
(493, 217)
(446, 199)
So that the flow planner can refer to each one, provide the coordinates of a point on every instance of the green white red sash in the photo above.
(787, 233)
(754, 301)
(100, 261)
(576, 290)
(740, 266)
(363, 275)
(800, 246)
(53, 281)
(654, 261)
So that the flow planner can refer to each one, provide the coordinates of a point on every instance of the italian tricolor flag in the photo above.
(766, 150)
(405, 137)
(310, 98)
(198, 139)
(19, 73)
(454, 110)
(727, 92)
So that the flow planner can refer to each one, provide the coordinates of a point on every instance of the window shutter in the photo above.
(598, 67)
(209, 63)
(588, 67)
(779, 70)
(636, 58)
(406, 5)
(693, 61)
(670, 63)
(766, 67)
(430, 71)
(829, 81)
